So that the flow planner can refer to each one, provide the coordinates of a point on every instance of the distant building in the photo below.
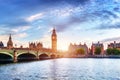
(74, 47)
(10, 43)
(32, 45)
(95, 45)
(114, 45)
(1, 44)
(35, 46)
(54, 40)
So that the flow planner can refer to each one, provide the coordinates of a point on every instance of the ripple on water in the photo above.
(63, 69)
(30, 76)
(37, 76)
(43, 77)
(16, 79)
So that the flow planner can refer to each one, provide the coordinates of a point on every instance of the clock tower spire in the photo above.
(54, 40)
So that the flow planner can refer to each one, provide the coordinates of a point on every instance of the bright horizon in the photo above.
(75, 21)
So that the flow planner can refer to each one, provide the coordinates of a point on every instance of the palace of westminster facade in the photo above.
(32, 45)
(72, 47)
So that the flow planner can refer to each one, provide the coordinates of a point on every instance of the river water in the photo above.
(63, 69)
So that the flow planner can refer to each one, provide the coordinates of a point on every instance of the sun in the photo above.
(62, 46)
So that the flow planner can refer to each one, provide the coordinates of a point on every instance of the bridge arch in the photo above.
(26, 53)
(53, 56)
(6, 57)
(26, 56)
(43, 56)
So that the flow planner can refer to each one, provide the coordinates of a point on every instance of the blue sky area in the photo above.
(75, 21)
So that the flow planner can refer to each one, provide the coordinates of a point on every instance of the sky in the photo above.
(76, 21)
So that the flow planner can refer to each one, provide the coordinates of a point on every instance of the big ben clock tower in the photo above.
(54, 40)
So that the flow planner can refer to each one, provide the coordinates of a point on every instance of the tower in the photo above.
(54, 40)
(10, 43)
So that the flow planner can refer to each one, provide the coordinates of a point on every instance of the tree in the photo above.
(97, 50)
(109, 51)
(80, 51)
(113, 51)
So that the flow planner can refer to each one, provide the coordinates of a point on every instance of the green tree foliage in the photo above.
(109, 51)
(80, 51)
(97, 50)
(113, 51)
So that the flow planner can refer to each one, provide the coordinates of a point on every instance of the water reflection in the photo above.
(59, 69)
(62, 69)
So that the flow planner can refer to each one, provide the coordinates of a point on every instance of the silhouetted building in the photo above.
(114, 45)
(54, 40)
(1, 44)
(34, 46)
(95, 45)
(10, 43)
(73, 48)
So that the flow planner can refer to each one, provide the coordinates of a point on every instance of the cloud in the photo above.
(110, 24)
(72, 20)
(68, 9)
(14, 31)
(14, 26)
(63, 12)
(4, 37)
(21, 35)
(117, 1)
(107, 20)
(111, 39)
(34, 17)
(16, 23)
(106, 14)
(39, 27)
(20, 29)
(80, 14)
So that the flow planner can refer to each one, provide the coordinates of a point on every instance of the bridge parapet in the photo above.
(6, 50)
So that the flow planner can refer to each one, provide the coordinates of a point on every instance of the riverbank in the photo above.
(95, 56)
(83, 56)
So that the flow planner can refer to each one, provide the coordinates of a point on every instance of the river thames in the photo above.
(63, 69)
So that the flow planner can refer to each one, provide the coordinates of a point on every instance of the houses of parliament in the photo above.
(33, 45)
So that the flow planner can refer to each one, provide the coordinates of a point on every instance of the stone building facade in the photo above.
(74, 47)
(95, 45)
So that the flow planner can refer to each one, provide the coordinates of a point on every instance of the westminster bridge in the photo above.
(25, 55)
